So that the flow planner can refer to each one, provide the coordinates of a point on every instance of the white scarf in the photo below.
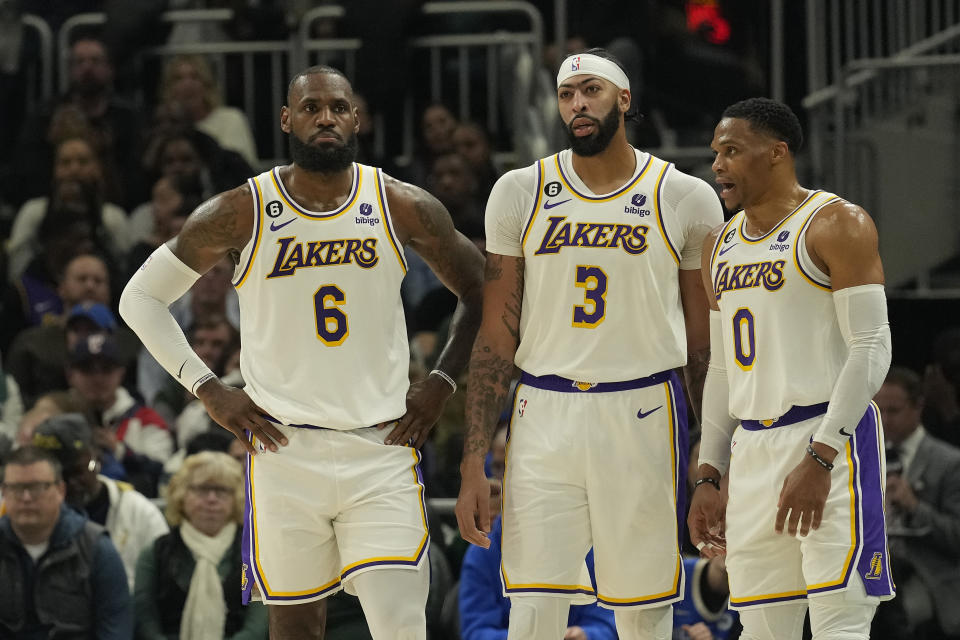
(205, 611)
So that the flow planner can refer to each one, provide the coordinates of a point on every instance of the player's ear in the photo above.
(780, 151)
(356, 120)
(285, 119)
(624, 100)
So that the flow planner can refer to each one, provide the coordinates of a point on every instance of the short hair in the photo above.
(25, 456)
(211, 91)
(316, 69)
(770, 117)
(907, 380)
(201, 467)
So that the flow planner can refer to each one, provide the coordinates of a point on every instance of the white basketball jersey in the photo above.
(601, 299)
(781, 339)
(321, 321)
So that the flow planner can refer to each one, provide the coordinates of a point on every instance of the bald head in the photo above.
(298, 81)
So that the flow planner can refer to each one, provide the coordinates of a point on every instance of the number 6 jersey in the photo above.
(601, 297)
(781, 339)
(321, 321)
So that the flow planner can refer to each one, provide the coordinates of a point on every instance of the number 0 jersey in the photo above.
(321, 321)
(601, 298)
(781, 339)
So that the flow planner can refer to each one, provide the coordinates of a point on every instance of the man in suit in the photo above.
(923, 509)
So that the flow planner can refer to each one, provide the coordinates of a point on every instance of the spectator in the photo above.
(942, 388)
(156, 221)
(189, 581)
(923, 496)
(132, 521)
(62, 577)
(473, 143)
(77, 194)
(125, 429)
(11, 409)
(484, 611)
(436, 137)
(47, 405)
(188, 85)
(90, 106)
(703, 612)
(453, 182)
(38, 356)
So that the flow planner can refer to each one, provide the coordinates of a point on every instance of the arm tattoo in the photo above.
(427, 215)
(487, 388)
(511, 312)
(696, 373)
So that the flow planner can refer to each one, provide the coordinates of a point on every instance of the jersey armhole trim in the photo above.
(801, 257)
(536, 205)
(257, 231)
(658, 203)
(388, 221)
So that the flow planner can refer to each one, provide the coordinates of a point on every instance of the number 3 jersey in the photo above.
(321, 321)
(601, 298)
(781, 340)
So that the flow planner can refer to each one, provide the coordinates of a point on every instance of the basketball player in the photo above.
(593, 291)
(318, 246)
(800, 344)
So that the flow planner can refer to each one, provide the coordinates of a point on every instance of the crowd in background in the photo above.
(92, 183)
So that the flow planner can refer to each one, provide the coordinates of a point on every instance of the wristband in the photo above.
(823, 463)
(707, 480)
(445, 376)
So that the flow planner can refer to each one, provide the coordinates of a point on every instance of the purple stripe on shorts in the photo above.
(588, 592)
(246, 549)
(633, 603)
(566, 385)
(874, 563)
(749, 603)
(681, 440)
(793, 416)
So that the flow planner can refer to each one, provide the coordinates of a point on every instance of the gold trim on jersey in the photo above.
(315, 215)
(802, 238)
(659, 208)
(629, 185)
(387, 221)
(259, 222)
(743, 223)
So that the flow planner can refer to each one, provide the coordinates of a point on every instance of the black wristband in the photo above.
(816, 456)
(707, 480)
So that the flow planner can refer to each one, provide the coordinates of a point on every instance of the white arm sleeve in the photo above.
(717, 423)
(862, 314)
(161, 280)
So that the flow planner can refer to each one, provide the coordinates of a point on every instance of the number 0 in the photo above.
(744, 339)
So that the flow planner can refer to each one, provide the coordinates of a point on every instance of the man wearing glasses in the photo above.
(61, 575)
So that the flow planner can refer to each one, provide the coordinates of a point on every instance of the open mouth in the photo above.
(726, 187)
(583, 127)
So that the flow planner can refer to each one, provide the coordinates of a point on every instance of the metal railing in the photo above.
(40, 90)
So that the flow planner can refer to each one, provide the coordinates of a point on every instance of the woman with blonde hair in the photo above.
(188, 583)
(188, 86)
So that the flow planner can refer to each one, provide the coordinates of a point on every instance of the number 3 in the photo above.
(332, 326)
(593, 281)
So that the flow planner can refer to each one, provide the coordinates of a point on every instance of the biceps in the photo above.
(455, 260)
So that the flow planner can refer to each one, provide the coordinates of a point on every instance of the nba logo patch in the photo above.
(575, 64)
(521, 405)
(876, 567)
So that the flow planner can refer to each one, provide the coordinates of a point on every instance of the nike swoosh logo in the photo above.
(843, 432)
(181, 369)
(642, 415)
(276, 227)
(723, 251)
(551, 205)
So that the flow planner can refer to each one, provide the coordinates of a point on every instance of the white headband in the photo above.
(587, 63)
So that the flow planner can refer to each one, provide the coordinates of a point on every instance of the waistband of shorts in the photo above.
(566, 385)
(793, 416)
(314, 426)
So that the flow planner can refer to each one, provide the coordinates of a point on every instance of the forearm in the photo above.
(695, 373)
(491, 369)
(455, 355)
(717, 425)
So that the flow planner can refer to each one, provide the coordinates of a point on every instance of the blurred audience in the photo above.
(62, 576)
(472, 142)
(152, 223)
(124, 428)
(132, 520)
(437, 123)
(188, 86)
(923, 513)
(47, 405)
(941, 384)
(88, 106)
(189, 581)
(703, 614)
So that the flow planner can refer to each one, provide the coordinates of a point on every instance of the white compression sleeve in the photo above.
(718, 424)
(161, 280)
(862, 315)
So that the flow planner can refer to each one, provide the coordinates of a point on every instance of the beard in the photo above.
(599, 140)
(328, 158)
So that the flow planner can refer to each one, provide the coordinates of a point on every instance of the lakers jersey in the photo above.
(321, 321)
(781, 340)
(601, 296)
